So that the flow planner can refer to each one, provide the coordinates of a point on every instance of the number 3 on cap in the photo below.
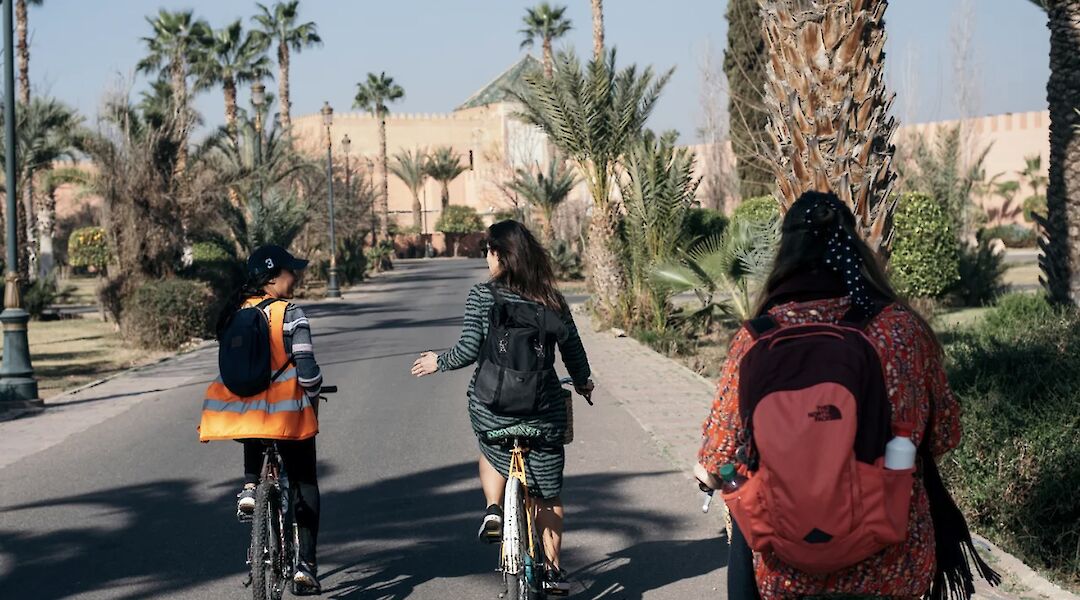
(269, 263)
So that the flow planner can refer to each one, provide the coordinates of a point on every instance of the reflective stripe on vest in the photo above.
(281, 412)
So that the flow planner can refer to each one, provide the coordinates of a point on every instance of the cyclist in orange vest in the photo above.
(286, 411)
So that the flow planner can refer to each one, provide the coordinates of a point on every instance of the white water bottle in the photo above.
(900, 451)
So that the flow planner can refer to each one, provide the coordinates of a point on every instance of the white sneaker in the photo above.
(246, 503)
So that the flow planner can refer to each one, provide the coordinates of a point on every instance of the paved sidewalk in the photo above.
(671, 402)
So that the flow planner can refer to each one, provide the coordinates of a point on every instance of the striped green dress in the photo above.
(544, 462)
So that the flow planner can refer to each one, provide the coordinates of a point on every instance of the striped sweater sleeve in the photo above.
(473, 331)
(573, 353)
(298, 344)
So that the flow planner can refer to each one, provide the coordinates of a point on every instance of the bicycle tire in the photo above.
(266, 582)
(519, 584)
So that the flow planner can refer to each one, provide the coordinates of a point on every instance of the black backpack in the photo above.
(517, 356)
(244, 351)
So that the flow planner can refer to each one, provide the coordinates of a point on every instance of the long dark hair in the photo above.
(525, 264)
(252, 286)
(802, 251)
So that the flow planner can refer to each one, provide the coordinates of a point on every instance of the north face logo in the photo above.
(827, 412)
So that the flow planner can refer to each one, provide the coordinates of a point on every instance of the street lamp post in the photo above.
(346, 143)
(332, 290)
(18, 388)
(258, 98)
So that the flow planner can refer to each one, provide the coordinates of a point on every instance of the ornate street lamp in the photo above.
(258, 99)
(332, 290)
(18, 388)
(346, 143)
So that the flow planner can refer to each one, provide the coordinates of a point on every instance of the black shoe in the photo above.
(491, 528)
(555, 583)
(305, 582)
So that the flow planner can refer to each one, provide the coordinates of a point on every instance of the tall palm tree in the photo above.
(232, 59)
(177, 42)
(23, 47)
(444, 166)
(545, 191)
(279, 25)
(828, 106)
(546, 23)
(373, 95)
(1061, 252)
(411, 167)
(1033, 173)
(593, 117)
(48, 131)
(598, 28)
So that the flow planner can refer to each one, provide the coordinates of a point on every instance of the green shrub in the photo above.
(981, 271)
(702, 223)
(351, 261)
(89, 248)
(1034, 205)
(380, 256)
(459, 219)
(761, 208)
(42, 293)
(925, 254)
(1013, 236)
(167, 313)
(1017, 470)
(204, 252)
(566, 262)
(214, 263)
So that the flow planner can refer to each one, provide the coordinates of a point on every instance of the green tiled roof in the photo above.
(511, 79)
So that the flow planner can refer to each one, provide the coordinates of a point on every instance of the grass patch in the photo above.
(74, 352)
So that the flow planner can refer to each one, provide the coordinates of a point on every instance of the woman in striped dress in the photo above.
(520, 271)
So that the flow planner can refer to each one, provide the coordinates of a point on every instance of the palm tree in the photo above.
(177, 43)
(232, 59)
(545, 191)
(279, 24)
(547, 23)
(444, 166)
(411, 167)
(1060, 262)
(1006, 190)
(1032, 173)
(593, 118)
(23, 47)
(828, 106)
(48, 131)
(373, 95)
(598, 28)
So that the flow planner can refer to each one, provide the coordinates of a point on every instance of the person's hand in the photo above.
(706, 480)
(427, 364)
(585, 390)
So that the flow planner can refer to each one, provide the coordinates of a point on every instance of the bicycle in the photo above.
(521, 557)
(274, 551)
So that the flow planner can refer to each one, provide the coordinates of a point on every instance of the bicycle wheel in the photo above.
(520, 573)
(266, 580)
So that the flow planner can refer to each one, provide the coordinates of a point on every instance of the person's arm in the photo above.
(573, 355)
(467, 349)
(721, 427)
(944, 428)
(298, 344)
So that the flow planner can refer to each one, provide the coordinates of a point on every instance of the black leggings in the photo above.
(741, 583)
(299, 459)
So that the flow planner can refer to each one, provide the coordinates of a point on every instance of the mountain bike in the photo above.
(521, 557)
(275, 545)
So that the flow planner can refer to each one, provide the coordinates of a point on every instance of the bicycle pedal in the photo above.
(244, 517)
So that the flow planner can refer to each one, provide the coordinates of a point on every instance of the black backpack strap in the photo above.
(761, 325)
(262, 305)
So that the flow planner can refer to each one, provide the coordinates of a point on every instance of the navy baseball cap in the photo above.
(268, 258)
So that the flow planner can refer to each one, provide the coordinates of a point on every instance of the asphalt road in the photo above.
(135, 507)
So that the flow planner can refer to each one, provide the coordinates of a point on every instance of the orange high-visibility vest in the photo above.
(281, 412)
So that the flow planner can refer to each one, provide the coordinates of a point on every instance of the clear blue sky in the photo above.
(443, 50)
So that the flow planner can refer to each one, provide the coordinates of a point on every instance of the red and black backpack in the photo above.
(816, 417)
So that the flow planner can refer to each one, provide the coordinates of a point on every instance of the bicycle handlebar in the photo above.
(570, 381)
(328, 389)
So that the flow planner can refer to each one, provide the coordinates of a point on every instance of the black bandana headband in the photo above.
(841, 255)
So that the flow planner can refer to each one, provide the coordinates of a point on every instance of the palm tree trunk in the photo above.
(1061, 260)
(598, 28)
(549, 62)
(28, 268)
(229, 87)
(607, 279)
(445, 197)
(283, 85)
(549, 229)
(417, 212)
(180, 114)
(23, 50)
(384, 201)
(46, 219)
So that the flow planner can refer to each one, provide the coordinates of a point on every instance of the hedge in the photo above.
(926, 252)
(165, 314)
